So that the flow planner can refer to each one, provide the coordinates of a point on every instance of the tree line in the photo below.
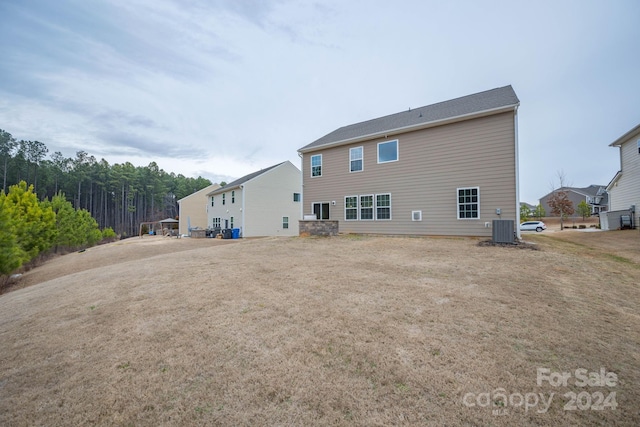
(117, 196)
(30, 227)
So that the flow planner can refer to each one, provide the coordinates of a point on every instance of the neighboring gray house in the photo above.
(531, 208)
(594, 195)
(624, 188)
(445, 169)
(263, 203)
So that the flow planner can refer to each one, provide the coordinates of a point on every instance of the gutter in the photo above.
(419, 126)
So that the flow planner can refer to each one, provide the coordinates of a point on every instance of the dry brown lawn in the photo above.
(353, 330)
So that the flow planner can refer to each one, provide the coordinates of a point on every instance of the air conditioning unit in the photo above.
(503, 231)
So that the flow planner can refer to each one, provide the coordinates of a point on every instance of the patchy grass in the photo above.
(337, 331)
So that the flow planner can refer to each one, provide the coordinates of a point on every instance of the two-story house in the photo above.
(193, 210)
(445, 169)
(624, 188)
(263, 203)
(595, 196)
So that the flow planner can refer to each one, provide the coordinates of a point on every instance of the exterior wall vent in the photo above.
(503, 231)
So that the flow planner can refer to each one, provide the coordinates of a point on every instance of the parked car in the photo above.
(533, 225)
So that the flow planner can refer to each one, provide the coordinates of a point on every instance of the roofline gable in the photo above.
(618, 142)
(489, 102)
(200, 191)
(614, 180)
(410, 128)
(240, 182)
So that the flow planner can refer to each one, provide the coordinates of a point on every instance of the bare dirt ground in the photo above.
(352, 330)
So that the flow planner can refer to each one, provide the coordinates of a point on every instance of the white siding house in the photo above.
(263, 203)
(624, 188)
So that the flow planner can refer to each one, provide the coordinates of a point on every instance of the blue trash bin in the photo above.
(235, 233)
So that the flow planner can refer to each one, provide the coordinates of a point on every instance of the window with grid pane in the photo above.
(468, 203)
(351, 208)
(355, 159)
(316, 165)
(383, 206)
(366, 207)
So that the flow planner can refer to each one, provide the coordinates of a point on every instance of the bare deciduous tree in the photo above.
(559, 201)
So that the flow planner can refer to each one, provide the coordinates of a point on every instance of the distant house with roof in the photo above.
(624, 188)
(594, 195)
(528, 206)
(444, 169)
(193, 210)
(263, 203)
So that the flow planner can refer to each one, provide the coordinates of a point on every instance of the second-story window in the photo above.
(388, 151)
(224, 201)
(233, 196)
(316, 165)
(355, 159)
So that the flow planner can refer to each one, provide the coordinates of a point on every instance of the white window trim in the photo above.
(357, 208)
(375, 209)
(413, 215)
(397, 151)
(458, 203)
(311, 165)
(361, 159)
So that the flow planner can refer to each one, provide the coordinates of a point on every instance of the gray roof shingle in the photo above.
(240, 181)
(470, 104)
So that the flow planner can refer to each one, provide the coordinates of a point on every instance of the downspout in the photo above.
(301, 185)
(243, 228)
(515, 128)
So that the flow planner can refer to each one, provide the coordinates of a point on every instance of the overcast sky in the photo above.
(221, 88)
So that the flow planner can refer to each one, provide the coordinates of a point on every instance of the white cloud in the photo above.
(231, 87)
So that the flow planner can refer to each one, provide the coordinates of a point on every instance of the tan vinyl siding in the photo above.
(433, 163)
(193, 208)
(626, 191)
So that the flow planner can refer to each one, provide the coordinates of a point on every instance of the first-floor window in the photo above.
(216, 222)
(351, 208)
(231, 222)
(383, 206)
(468, 203)
(366, 207)
(285, 222)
